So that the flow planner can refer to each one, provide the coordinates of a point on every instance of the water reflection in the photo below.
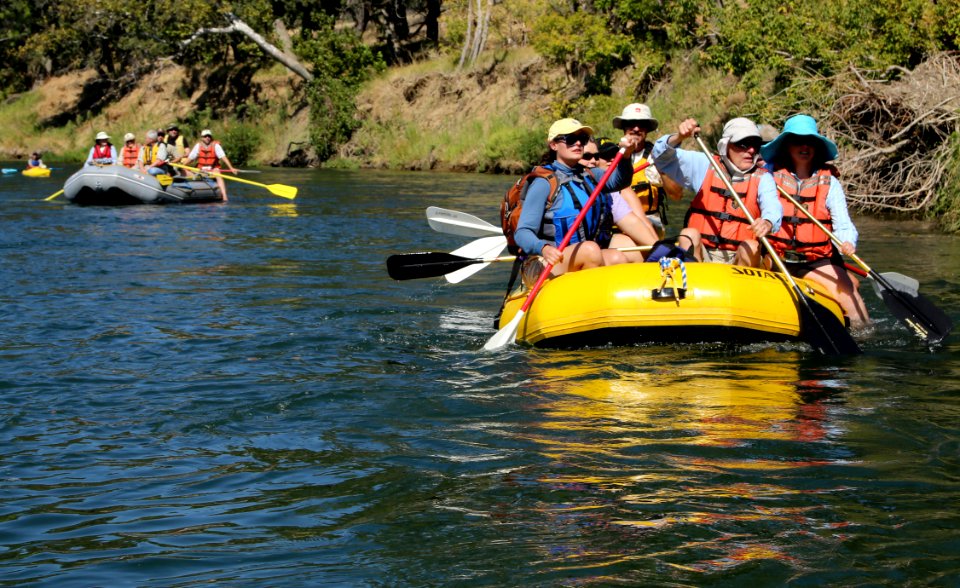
(715, 463)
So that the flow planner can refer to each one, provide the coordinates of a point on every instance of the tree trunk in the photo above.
(238, 26)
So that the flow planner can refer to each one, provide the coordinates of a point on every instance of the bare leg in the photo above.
(837, 281)
(748, 253)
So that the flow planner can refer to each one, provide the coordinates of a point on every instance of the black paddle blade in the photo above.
(823, 331)
(427, 264)
(917, 312)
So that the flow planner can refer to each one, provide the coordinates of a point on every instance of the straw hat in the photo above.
(102, 136)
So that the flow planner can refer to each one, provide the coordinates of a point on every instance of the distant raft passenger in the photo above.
(153, 156)
(103, 152)
(130, 151)
(209, 155)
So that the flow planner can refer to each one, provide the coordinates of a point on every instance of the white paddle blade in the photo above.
(464, 273)
(903, 283)
(453, 222)
(484, 248)
(506, 335)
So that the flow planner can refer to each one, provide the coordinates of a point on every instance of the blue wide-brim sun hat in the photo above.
(798, 124)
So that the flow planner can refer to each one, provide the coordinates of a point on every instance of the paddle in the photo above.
(52, 196)
(276, 189)
(452, 222)
(818, 326)
(903, 300)
(508, 334)
(483, 247)
(430, 264)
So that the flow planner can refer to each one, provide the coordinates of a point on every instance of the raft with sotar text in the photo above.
(640, 302)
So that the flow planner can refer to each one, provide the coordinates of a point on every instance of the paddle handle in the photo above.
(573, 228)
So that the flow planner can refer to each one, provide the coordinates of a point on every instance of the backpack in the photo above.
(512, 204)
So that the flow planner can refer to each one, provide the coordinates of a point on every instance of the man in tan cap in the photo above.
(209, 155)
(648, 189)
(102, 152)
(130, 151)
(727, 236)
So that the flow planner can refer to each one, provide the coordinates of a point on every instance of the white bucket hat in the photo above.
(101, 135)
(636, 112)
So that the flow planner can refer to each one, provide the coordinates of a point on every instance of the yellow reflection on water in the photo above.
(666, 449)
(283, 209)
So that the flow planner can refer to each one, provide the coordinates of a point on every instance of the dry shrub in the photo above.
(895, 135)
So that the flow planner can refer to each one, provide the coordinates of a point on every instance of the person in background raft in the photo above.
(35, 161)
(798, 159)
(209, 155)
(153, 156)
(727, 236)
(540, 230)
(648, 189)
(176, 144)
(102, 152)
(130, 151)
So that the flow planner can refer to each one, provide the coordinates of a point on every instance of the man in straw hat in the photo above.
(102, 152)
(648, 188)
(727, 236)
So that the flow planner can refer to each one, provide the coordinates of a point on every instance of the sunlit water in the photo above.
(237, 394)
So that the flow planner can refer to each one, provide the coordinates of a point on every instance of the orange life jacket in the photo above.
(128, 155)
(716, 215)
(798, 233)
(207, 155)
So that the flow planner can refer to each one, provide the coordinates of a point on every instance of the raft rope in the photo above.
(668, 269)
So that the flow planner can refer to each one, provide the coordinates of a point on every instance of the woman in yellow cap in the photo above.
(541, 227)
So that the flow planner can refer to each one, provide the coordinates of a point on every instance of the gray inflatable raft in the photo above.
(115, 185)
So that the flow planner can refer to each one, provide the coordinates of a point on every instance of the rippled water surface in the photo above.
(238, 395)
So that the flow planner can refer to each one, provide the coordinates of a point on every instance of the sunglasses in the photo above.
(748, 144)
(571, 139)
(589, 156)
(641, 124)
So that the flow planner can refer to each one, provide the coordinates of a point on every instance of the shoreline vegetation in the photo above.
(457, 86)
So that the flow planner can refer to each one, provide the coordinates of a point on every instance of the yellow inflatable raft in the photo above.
(37, 172)
(640, 302)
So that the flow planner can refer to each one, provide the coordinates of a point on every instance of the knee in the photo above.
(613, 257)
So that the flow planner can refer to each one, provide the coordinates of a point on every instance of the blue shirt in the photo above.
(535, 202)
(689, 168)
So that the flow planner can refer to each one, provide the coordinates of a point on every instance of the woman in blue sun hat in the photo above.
(798, 159)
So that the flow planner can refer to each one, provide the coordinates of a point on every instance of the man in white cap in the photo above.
(102, 152)
(130, 151)
(209, 155)
(648, 189)
(727, 236)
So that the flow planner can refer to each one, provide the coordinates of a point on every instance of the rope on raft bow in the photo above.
(668, 268)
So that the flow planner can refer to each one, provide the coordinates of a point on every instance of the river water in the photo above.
(238, 394)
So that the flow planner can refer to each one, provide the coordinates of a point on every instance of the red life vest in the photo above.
(128, 156)
(716, 215)
(102, 153)
(207, 155)
(798, 233)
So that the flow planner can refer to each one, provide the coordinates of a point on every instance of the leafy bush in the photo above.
(241, 140)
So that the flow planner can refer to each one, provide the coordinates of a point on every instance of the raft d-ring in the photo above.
(669, 267)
